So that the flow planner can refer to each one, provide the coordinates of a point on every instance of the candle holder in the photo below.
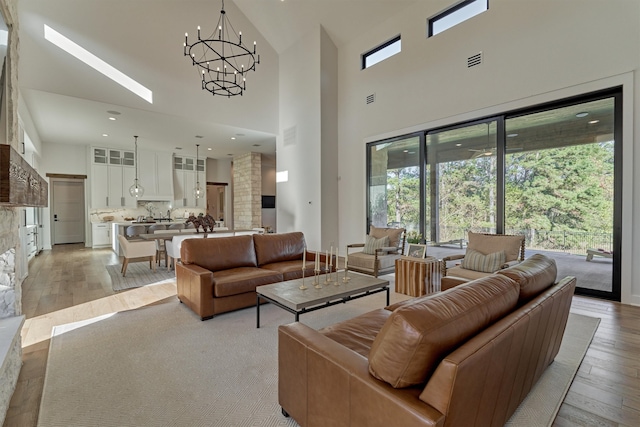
(316, 279)
(329, 279)
(303, 287)
(327, 276)
(346, 277)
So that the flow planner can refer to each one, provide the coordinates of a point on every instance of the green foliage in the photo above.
(560, 190)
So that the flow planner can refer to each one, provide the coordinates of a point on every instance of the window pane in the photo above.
(559, 185)
(456, 15)
(377, 55)
(462, 181)
(394, 184)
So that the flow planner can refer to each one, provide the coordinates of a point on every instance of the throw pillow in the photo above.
(372, 244)
(476, 261)
(394, 234)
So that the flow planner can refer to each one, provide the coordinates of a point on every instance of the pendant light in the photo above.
(136, 190)
(197, 191)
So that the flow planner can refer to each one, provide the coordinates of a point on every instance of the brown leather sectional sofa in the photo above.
(463, 357)
(218, 275)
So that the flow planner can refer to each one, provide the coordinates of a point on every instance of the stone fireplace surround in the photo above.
(11, 318)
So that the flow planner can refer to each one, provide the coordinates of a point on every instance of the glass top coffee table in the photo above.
(288, 295)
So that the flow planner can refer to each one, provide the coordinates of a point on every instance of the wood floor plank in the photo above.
(70, 283)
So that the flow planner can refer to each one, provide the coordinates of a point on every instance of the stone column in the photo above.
(247, 191)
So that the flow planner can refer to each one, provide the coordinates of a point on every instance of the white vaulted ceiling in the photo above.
(69, 101)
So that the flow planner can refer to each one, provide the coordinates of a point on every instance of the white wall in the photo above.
(299, 200)
(534, 51)
(64, 159)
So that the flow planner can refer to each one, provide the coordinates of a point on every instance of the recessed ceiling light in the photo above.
(112, 118)
(114, 112)
(229, 154)
(256, 145)
(178, 148)
(458, 145)
(512, 135)
(233, 137)
(209, 148)
(593, 122)
(97, 64)
(199, 136)
(583, 114)
(104, 134)
(405, 151)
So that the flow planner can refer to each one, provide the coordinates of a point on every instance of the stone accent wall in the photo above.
(11, 298)
(247, 191)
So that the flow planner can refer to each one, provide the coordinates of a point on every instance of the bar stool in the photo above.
(133, 231)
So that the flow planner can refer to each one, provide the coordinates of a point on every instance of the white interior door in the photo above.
(68, 211)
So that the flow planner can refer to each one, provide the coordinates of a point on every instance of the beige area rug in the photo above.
(138, 274)
(162, 366)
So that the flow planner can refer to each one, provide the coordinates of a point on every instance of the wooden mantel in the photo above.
(20, 184)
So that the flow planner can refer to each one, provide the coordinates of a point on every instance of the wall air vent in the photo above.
(289, 136)
(474, 60)
(371, 98)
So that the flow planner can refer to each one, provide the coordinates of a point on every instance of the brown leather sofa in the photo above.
(220, 275)
(463, 357)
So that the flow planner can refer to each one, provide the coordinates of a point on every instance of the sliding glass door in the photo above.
(551, 172)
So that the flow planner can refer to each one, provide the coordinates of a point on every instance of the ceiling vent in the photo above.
(474, 60)
(289, 136)
(371, 98)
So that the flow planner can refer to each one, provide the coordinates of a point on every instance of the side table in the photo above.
(417, 276)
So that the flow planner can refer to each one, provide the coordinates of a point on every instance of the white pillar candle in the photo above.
(317, 261)
(326, 260)
(346, 258)
(331, 257)
(304, 257)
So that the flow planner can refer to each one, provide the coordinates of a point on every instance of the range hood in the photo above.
(20, 184)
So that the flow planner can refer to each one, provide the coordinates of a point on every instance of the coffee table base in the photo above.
(297, 313)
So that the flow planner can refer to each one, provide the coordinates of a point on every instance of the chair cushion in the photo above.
(490, 243)
(394, 234)
(476, 261)
(463, 273)
(416, 336)
(534, 275)
(372, 244)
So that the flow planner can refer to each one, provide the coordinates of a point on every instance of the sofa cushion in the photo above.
(219, 254)
(240, 280)
(272, 248)
(417, 336)
(489, 263)
(394, 234)
(490, 243)
(290, 269)
(534, 275)
(371, 244)
(359, 332)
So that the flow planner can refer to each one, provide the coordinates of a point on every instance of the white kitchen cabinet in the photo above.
(185, 178)
(101, 235)
(156, 177)
(110, 180)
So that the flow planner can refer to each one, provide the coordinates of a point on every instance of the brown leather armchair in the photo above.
(485, 254)
(379, 253)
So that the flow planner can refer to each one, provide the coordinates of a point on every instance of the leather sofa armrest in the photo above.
(321, 382)
(195, 289)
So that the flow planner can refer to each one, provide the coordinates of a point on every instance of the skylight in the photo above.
(456, 14)
(97, 64)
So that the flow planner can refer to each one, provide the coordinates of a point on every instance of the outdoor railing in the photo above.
(567, 241)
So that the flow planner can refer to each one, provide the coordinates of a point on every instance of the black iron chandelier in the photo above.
(224, 63)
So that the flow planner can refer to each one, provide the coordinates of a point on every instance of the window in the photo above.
(456, 14)
(381, 52)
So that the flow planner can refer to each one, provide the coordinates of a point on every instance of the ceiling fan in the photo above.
(490, 151)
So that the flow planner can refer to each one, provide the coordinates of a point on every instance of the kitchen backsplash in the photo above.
(153, 209)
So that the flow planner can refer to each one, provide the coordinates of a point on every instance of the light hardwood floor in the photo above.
(70, 283)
